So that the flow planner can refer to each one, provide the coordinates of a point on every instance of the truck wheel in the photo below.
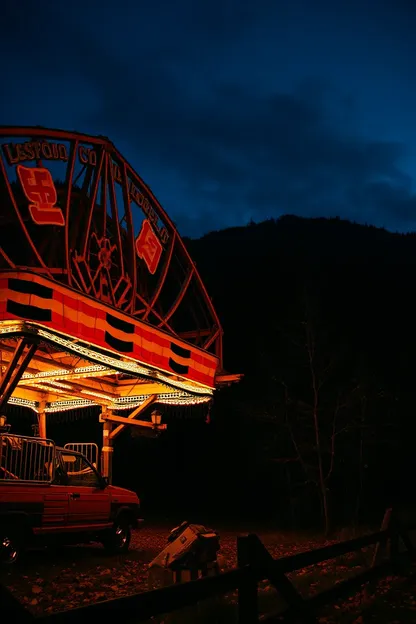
(119, 540)
(9, 547)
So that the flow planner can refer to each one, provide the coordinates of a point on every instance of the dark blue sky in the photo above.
(231, 110)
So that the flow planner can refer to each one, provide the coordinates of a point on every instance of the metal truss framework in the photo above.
(103, 231)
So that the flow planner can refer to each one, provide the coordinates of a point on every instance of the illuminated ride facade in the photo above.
(100, 302)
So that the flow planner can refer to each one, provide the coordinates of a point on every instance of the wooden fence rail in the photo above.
(255, 564)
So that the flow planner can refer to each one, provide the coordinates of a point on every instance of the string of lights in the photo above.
(122, 403)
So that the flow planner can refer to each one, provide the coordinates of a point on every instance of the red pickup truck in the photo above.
(51, 495)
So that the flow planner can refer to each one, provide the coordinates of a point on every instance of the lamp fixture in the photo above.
(156, 417)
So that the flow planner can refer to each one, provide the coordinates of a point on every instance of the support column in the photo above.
(107, 449)
(16, 368)
(42, 419)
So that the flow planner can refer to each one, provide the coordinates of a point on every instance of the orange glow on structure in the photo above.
(148, 247)
(39, 188)
(25, 295)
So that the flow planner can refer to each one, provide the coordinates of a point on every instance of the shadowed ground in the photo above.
(53, 580)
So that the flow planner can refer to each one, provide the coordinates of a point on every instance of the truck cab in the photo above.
(53, 495)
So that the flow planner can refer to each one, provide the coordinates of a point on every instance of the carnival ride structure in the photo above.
(100, 302)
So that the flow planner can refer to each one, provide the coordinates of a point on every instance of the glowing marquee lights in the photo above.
(33, 405)
(99, 395)
(58, 384)
(123, 403)
(62, 373)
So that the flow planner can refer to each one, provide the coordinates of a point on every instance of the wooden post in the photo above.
(107, 450)
(42, 419)
(299, 608)
(380, 549)
(248, 610)
(406, 539)
(394, 539)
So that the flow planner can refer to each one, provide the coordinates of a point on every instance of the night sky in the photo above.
(230, 110)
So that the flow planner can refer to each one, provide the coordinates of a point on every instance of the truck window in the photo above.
(79, 471)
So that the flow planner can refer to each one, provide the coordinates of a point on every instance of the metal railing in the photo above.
(26, 459)
(89, 449)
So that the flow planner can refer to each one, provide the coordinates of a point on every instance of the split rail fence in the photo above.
(255, 564)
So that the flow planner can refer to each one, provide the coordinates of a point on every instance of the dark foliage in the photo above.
(348, 289)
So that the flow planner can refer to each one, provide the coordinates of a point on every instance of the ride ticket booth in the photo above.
(100, 302)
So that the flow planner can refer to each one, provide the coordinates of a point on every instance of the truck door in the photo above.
(55, 509)
(55, 498)
(89, 504)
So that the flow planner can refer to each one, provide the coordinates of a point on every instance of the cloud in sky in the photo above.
(218, 110)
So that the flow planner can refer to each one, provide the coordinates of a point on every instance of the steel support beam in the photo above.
(17, 366)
